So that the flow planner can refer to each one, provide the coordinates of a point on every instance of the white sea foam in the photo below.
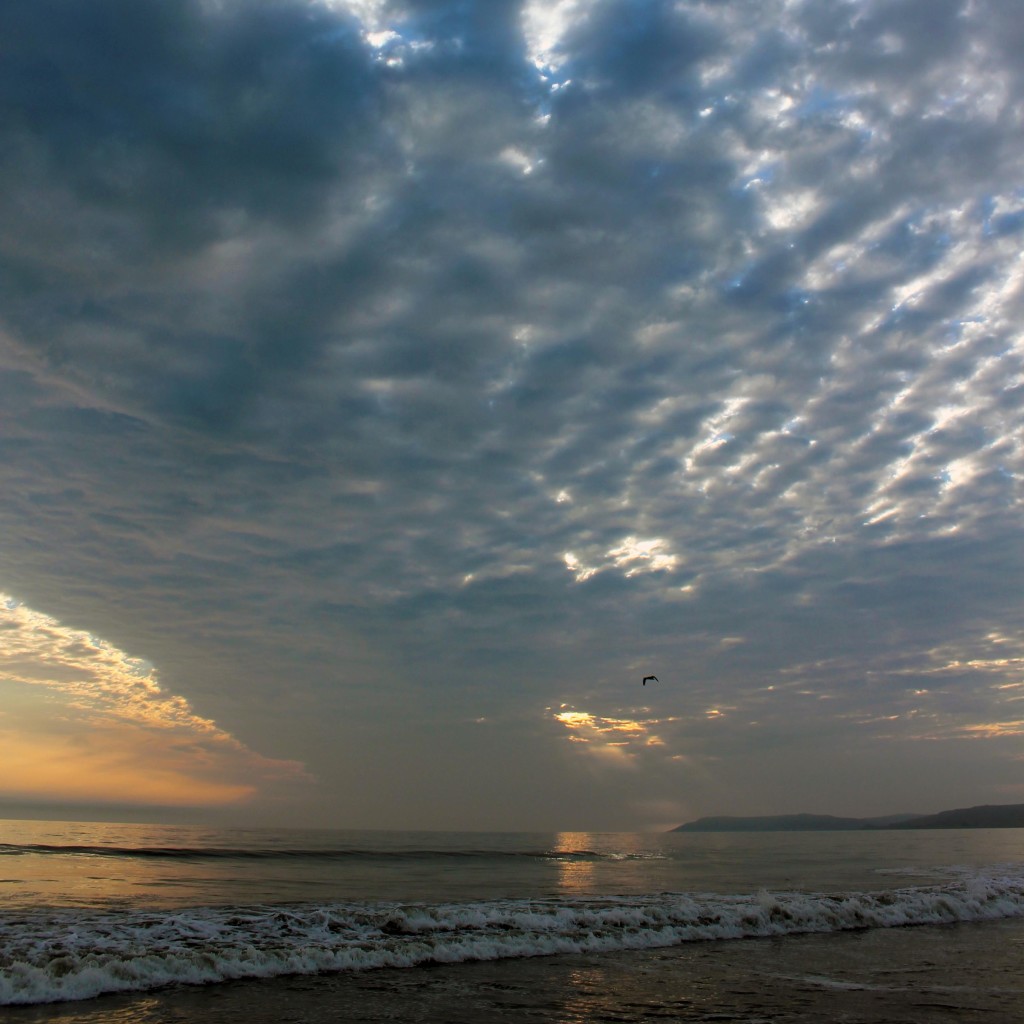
(68, 955)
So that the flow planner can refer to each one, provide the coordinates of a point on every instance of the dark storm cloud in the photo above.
(500, 357)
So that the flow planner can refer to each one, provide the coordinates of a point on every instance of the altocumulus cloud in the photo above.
(374, 368)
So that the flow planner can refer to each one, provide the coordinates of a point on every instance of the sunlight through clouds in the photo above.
(633, 556)
(616, 740)
(544, 24)
(81, 719)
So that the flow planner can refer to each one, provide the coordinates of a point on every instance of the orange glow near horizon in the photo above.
(81, 720)
(106, 766)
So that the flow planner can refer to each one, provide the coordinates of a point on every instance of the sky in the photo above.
(387, 386)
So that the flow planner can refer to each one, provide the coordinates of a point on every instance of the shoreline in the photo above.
(926, 974)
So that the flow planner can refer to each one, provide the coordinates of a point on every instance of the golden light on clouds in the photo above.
(616, 739)
(993, 730)
(81, 720)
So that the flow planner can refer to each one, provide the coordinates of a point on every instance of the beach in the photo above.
(108, 924)
(919, 975)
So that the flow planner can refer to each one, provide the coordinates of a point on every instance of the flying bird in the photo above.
(644, 683)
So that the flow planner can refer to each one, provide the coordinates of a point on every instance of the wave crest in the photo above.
(70, 955)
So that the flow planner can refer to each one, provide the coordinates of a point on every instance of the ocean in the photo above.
(147, 923)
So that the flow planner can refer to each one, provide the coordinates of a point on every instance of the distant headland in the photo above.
(984, 816)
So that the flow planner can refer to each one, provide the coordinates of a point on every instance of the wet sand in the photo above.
(925, 975)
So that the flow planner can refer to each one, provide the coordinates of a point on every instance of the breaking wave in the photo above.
(66, 955)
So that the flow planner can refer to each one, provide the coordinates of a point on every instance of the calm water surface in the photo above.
(59, 864)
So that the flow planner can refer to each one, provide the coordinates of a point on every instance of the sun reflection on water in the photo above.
(585, 860)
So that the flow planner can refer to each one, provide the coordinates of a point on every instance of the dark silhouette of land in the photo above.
(984, 816)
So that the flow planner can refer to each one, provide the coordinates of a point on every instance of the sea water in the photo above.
(92, 909)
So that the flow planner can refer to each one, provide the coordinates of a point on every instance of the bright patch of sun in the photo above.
(618, 739)
(636, 555)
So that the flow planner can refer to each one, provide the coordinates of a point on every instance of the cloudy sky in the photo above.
(386, 386)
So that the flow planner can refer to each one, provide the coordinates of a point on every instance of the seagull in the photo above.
(644, 683)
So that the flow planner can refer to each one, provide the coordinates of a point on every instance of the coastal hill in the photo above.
(986, 816)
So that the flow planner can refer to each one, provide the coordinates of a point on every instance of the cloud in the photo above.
(364, 358)
(85, 721)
